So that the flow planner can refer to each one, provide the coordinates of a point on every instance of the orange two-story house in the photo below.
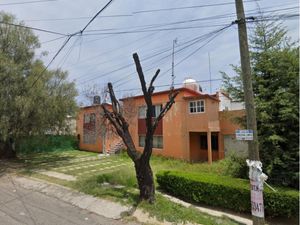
(94, 132)
(194, 129)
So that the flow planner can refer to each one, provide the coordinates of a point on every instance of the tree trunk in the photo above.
(145, 180)
(7, 149)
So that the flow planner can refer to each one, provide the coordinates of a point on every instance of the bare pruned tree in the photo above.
(141, 160)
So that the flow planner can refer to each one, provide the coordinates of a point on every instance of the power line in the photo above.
(194, 52)
(54, 57)
(55, 39)
(28, 2)
(165, 57)
(127, 66)
(186, 7)
(176, 22)
(67, 40)
(124, 45)
(75, 18)
(101, 10)
(130, 15)
(167, 85)
(147, 28)
(193, 41)
(185, 58)
(152, 30)
(33, 28)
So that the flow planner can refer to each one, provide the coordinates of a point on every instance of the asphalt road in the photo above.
(19, 206)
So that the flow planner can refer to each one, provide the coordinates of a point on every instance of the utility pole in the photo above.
(253, 147)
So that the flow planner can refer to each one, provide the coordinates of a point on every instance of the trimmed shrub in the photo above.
(236, 166)
(46, 143)
(226, 192)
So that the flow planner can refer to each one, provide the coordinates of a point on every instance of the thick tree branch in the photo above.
(110, 116)
(118, 121)
(151, 87)
(148, 99)
(142, 78)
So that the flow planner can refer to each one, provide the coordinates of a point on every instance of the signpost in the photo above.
(244, 135)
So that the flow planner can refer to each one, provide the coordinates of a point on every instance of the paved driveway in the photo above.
(20, 206)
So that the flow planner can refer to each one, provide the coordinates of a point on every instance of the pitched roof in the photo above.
(95, 106)
(195, 94)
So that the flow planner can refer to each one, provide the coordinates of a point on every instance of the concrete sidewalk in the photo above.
(25, 201)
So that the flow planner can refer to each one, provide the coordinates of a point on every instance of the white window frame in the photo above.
(162, 145)
(195, 107)
(140, 112)
(154, 145)
(140, 136)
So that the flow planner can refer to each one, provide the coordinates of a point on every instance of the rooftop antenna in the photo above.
(209, 68)
(173, 53)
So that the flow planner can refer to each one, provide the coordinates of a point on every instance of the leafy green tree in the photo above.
(28, 109)
(275, 71)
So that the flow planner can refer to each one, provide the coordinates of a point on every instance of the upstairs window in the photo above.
(142, 112)
(89, 118)
(156, 109)
(196, 106)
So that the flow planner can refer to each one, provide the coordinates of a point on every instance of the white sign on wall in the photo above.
(244, 135)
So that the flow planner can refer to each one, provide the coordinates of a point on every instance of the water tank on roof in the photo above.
(97, 100)
(192, 84)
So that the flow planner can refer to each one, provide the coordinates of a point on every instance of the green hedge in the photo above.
(46, 143)
(226, 192)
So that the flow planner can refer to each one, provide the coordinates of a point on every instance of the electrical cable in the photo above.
(28, 2)
(33, 28)
(185, 58)
(67, 40)
(75, 18)
(195, 40)
(187, 7)
(166, 85)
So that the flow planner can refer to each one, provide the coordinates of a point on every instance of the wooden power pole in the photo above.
(253, 147)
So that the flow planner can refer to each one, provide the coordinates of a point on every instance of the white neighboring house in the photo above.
(231, 145)
(226, 102)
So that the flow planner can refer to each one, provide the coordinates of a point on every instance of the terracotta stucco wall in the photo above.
(229, 121)
(201, 122)
(181, 129)
(198, 154)
(175, 139)
(229, 124)
(110, 140)
(97, 146)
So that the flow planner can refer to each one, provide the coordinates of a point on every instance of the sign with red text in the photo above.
(257, 201)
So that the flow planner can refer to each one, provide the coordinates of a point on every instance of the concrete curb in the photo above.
(211, 212)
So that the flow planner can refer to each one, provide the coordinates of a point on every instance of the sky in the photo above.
(103, 53)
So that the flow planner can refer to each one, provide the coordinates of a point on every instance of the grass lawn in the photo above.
(113, 178)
